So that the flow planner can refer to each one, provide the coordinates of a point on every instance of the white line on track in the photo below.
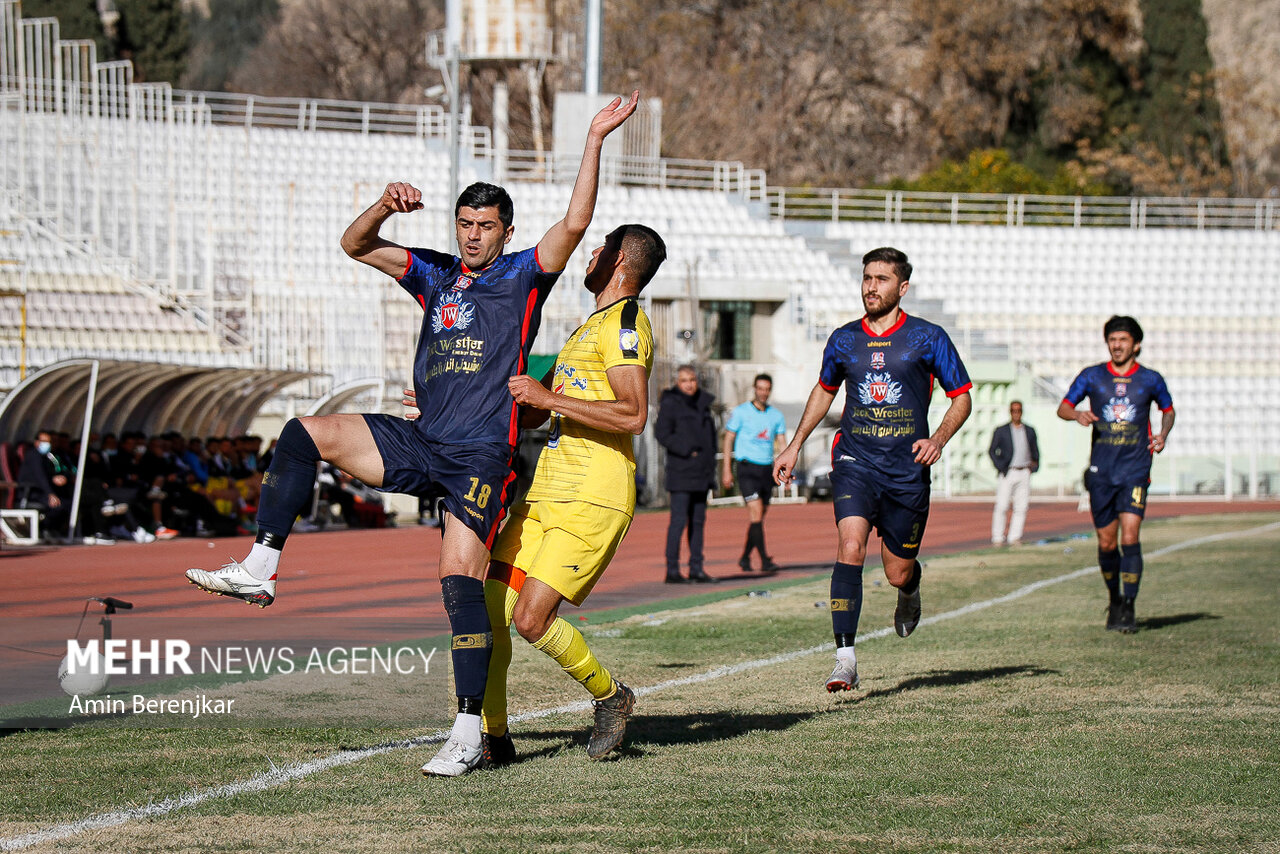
(279, 776)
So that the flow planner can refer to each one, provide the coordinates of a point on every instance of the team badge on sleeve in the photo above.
(629, 343)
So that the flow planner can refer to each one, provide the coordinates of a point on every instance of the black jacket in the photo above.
(1001, 450)
(687, 429)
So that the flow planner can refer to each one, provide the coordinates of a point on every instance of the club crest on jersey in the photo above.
(454, 315)
(1120, 411)
(464, 281)
(628, 340)
(877, 360)
(1122, 389)
(879, 389)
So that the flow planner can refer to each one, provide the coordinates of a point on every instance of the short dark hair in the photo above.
(764, 377)
(482, 195)
(644, 250)
(895, 257)
(1122, 323)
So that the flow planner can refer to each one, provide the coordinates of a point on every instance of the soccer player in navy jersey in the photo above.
(1120, 394)
(481, 311)
(887, 362)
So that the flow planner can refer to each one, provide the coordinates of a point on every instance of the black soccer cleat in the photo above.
(611, 721)
(1113, 616)
(496, 751)
(745, 564)
(1128, 622)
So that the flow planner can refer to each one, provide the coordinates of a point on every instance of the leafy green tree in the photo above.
(993, 170)
(154, 34)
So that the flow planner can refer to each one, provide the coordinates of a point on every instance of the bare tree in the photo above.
(365, 50)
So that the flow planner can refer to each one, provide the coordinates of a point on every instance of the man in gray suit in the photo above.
(1016, 455)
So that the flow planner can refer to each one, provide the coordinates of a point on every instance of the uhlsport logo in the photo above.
(878, 389)
(453, 316)
(877, 360)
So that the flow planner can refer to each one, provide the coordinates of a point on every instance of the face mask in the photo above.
(43, 448)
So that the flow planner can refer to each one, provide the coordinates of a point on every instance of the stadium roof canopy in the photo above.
(144, 396)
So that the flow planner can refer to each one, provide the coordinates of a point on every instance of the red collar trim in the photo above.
(902, 318)
(1111, 369)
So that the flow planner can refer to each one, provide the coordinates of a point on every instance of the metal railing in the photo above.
(898, 206)
(428, 121)
(659, 172)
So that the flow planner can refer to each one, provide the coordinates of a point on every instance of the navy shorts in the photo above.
(1108, 500)
(897, 512)
(755, 481)
(474, 482)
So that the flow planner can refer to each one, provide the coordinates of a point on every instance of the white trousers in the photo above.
(1013, 487)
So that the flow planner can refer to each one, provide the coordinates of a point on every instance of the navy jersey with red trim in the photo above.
(888, 383)
(1122, 402)
(476, 333)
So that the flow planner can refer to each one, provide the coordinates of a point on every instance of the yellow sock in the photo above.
(569, 648)
(500, 602)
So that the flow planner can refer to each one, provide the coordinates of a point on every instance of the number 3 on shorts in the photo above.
(482, 498)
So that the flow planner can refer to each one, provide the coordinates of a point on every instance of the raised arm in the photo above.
(815, 409)
(561, 239)
(626, 414)
(361, 239)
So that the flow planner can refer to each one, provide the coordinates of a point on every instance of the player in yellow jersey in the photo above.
(559, 541)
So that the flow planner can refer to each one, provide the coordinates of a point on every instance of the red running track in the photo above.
(389, 577)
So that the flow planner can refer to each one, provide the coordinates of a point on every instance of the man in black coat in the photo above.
(687, 429)
(1016, 455)
(48, 479)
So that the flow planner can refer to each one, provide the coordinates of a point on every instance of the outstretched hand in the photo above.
(399, 197)
(613, 115)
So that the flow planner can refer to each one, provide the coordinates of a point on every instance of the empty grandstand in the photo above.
(143, 224)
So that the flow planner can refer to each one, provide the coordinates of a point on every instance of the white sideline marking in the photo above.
(278, 776)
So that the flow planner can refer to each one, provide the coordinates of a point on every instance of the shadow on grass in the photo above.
(1153, 623)
(663, 730)
(949, 678)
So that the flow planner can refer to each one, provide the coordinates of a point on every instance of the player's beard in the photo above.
(887, 305)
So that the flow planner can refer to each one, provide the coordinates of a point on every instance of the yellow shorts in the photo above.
(564, 544)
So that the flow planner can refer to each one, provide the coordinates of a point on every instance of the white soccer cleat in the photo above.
(844, 677)
(235, 580)
(455, 758)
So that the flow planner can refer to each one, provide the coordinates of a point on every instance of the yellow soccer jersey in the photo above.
(582, 463)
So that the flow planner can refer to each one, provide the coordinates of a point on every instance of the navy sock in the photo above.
(1109, 562)
(1130, 571)
(913, 583)
(472, 640)
(287, 485)
(846, 602)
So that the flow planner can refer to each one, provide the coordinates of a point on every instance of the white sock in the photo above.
(466, 728)
(845, 653)
(262, 561)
